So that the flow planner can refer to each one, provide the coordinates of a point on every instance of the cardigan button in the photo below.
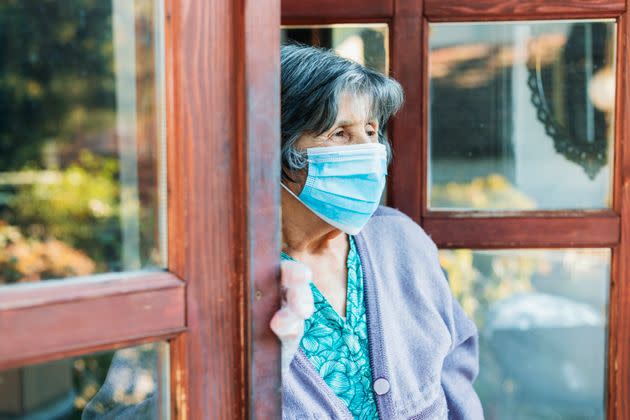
(381, 386)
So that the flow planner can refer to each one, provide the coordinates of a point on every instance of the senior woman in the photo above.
(370, 329)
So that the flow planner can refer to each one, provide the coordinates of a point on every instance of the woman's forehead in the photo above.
(353, 108)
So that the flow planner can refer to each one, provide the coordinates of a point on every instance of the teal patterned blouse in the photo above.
(338, 347)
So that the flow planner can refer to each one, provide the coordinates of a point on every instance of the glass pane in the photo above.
(366, 44)
(521, 115)
(81, 138)
(542, 317)
(131, 383)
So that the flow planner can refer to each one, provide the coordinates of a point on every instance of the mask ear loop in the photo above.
(291, 192)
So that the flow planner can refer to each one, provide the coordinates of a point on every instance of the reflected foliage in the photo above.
(541, 317)
(483, 193)
(78, 232)
(61, 211)
(61, 207)
(57, 200)
(37, 100)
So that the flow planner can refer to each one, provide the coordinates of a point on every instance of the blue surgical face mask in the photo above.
(344, 184)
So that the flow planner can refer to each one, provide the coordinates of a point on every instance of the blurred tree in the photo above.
(56, 75)
(78, 206)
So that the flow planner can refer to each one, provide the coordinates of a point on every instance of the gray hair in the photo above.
(312, 80)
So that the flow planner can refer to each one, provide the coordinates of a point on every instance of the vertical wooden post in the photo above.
(260, 124)
(618, 401)
(405, 188)
(223, 160)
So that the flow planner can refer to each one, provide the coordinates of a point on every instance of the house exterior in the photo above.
(139, 204)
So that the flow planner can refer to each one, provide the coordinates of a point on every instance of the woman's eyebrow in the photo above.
(344, 123)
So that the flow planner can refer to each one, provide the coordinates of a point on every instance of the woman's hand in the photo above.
(288, 322)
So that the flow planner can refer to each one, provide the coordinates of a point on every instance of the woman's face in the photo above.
(352, 126)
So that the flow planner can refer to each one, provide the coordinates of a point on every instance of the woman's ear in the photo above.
(294, 180)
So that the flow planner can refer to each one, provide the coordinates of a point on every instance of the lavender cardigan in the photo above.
(421, 343)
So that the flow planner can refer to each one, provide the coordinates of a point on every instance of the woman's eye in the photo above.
(340, 134)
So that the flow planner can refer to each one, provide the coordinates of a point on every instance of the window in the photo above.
(126, 220)
(521, 115)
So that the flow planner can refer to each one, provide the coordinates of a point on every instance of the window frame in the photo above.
(220, 288)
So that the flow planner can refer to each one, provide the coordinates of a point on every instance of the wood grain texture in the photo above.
(54, 321)
(204, 226)
(523, 232)
(223, 220)
(177, 212)
(260, 118)
(465, 10)
(179, 377)
(175, 149)
(407, 58)
(618, 406)
(334, 9)
(618, 398)
(54, 292)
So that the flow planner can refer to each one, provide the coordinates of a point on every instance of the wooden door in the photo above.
(145, 191)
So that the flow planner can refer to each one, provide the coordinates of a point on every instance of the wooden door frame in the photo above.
(223, 92)
(409, 21)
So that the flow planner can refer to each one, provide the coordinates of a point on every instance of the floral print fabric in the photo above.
(338, 347)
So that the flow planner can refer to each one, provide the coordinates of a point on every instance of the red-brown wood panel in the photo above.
(618, 401)
(223, 125)
(177, 216)
(463, 10)
(180, 409)
(61, 318)
(204, 229)
(406, 173)
(179, 377)
(259, 113)
(335, 9)
(524, 231)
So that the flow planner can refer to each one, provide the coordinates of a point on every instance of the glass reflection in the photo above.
(521, 115)
(542, 319)
(366, 43)
(81, 133)
(131, 383)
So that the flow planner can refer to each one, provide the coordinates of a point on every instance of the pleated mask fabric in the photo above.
(345, 183)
